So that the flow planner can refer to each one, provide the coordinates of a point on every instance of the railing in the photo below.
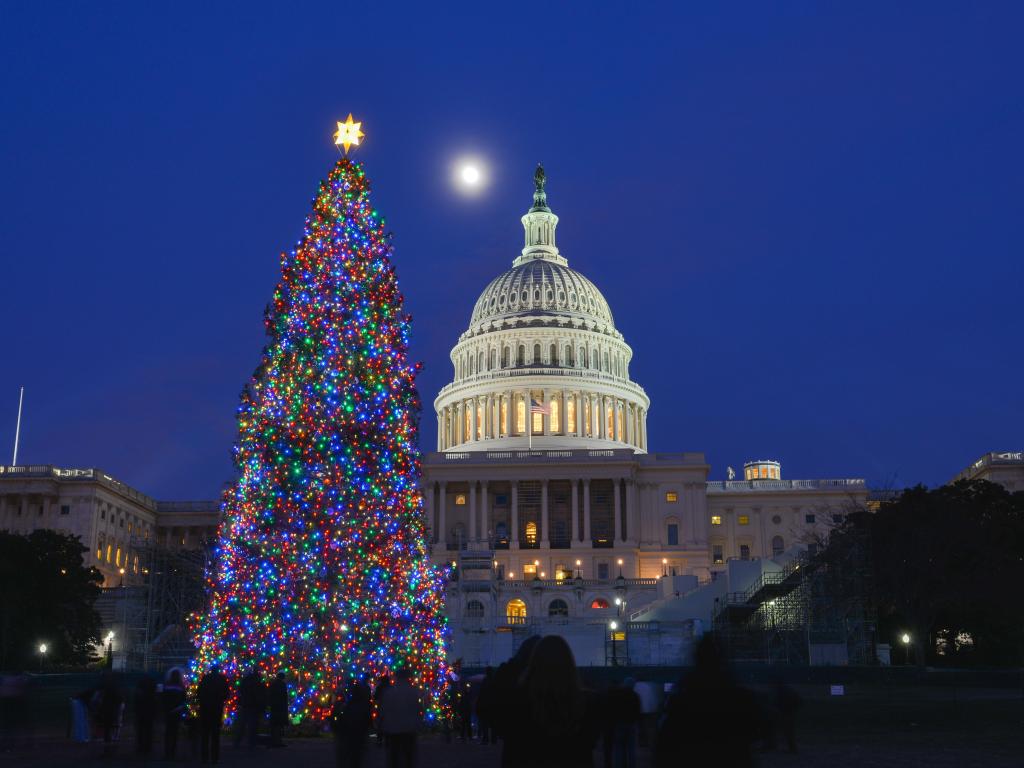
(165, 507)
(587, 374)
(48, 470)
(480, 457)
(517, 584)
(723, 486)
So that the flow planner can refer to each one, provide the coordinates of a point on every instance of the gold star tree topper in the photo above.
(348, 133)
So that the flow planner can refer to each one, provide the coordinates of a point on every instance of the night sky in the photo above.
(807, 221)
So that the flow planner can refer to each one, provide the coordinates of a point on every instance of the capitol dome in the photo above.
(541, 364)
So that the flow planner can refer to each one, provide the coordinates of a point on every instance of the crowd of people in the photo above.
(533, 710)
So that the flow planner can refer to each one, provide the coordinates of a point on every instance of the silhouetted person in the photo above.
(505, 685)
(787, 702)
(109, 706)
(400, 719)
(553, 722)
(252, 704)
(173, 701)
(709, 719)
(622, 727)
(484, 705)
(212, 693)
(278, 709)
(350, 721)
(378, 693)
(466, 711)
(145, 714)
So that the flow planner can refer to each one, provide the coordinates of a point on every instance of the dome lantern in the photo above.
(540, 223)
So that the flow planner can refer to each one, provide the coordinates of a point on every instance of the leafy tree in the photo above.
(946, 561)
(47, 597)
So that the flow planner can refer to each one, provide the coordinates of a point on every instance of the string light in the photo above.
(321, 567)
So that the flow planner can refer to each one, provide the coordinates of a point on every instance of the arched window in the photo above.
(504, 357)
(515, 611)
(568, 356)
(778, 546)
(672, 532)
(606, 368)
(536, 354)
(558, 608)
(553, 356)
(521, 357)
(474, 609)
(493, 360)
(598, 603)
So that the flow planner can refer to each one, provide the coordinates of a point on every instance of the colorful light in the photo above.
(321, 567)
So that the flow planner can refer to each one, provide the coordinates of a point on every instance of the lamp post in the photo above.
(613, 627)
(42, 655)
(905, 639)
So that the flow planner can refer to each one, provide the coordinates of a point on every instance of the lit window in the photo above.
(570, 415)
(671, 497)
(531, 532)
(716, 519)
(520, 416)
(764, 471)
(555, 421)
(716, 554)
(529, 570)
(117, 557)
(460, 499)
(744, 519)
(110, 551)
(598, 603)
(562, 573)
(515, 611)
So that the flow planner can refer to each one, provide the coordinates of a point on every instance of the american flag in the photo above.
(536, 407)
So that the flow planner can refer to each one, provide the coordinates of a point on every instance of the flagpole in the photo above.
(17, 429)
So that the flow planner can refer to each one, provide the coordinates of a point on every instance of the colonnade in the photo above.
(566, 412)
(479, 525)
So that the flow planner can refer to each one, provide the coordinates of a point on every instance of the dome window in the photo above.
(561, 297)
(551, 295)
(526, 296)
(536, 295)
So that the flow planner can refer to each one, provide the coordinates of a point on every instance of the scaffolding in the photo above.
(148, 616)
(815, 611)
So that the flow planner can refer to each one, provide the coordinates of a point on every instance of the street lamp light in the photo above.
(613, 626)
(905, 639)
(42, 655)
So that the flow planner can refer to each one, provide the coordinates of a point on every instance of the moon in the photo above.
(470, 176)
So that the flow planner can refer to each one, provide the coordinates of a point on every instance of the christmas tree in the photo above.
(321, 567)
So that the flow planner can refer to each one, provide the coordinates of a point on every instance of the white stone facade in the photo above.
(112, 519)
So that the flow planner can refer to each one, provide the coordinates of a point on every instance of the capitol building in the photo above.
(544, 498)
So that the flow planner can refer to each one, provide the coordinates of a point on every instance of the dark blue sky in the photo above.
(807, 220)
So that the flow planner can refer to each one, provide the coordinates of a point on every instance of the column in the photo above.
(615, 419)
(474, 421)
(508, 413)
(617, 499)
(428, 510)
(594, 422)
(514, 520)
(440, 430)
(575, 507)
(442, 525)
(544, 543)
(459, 407)
(632, 512)
(472, 511)
(484, 509)
(628, 419)
(587, 538)
(546, 418)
